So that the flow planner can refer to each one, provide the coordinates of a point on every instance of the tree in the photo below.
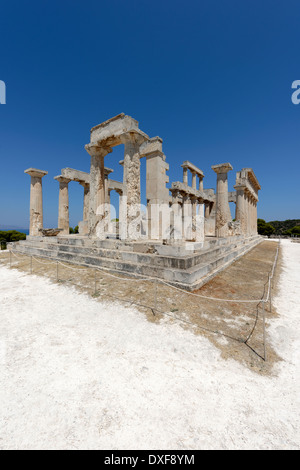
(264, 228)
(295, 231)
(10, 236)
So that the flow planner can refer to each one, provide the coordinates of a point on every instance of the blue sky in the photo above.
(212, 78)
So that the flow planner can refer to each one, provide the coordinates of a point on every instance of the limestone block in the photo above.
(110, 131)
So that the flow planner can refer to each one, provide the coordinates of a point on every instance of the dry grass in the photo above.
(226, 325)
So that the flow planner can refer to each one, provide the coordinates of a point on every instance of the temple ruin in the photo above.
(184, 234)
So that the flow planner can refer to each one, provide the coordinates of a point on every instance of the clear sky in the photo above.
(212, 78)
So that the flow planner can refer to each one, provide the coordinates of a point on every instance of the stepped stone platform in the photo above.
(188, 265)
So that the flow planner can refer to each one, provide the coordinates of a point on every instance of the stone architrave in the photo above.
(223, 215)
(36, 200)
(97, 190)
(63, 205)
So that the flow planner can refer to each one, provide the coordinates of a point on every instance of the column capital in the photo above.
(134, 137)
(175, 195)
(85, 184)
(222, 168)
(195, 199)
(240, 187)
(36, 173)
(62, 179)
(97, 151)
(107, 171)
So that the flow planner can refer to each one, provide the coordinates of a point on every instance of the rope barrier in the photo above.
(151, 279)
(104, 271)
(41, 262)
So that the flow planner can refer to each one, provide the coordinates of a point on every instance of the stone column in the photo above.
(119, 224)
(195, 225)
(36, 200)
(86, 201)
(97, 191)
(63, 204)
(240, 210)
(107, 172)
(194, 180)
(223, 215)
(251, 215)
(122, 210)
(252, 212)
(201, 188)
(187, 218)
(176, 218)
(255, 216)
(84, 225)
(207, 209)
(247, 210)
(185, 176)
(132, 183)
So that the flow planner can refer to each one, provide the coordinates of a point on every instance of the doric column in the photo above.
(107, 172)
(36, 200)
(223, 215)
(176, 217)
(255, 217)
(122, 210)
(157, 193)
(251, 215)
(63, 204)
(132, 183)
(187, 218)
(240, 210)
(97, 190)
(194, 180)
(252, 211)
(201, 188)
(248, 211)
(207, 209)
(195, 225)
(86, 201)
(185, 176)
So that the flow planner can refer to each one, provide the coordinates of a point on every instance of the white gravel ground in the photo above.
(76, 373)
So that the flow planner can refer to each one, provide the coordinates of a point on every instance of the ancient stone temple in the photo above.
(183, 234)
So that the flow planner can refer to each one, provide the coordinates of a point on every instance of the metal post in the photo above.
(264, 327)
(270, 296)
(156, 294)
